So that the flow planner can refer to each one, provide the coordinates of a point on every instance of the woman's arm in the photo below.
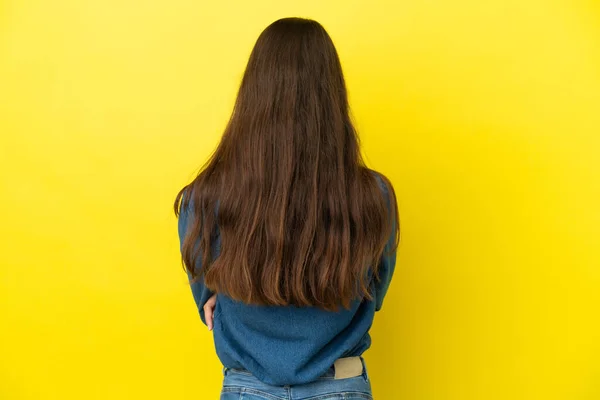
(200, 292)
(387, 264)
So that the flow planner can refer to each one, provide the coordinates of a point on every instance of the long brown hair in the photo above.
(301, 219)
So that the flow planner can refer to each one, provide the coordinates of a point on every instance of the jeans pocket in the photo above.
(230, 395)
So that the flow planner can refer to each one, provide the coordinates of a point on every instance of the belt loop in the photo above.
(225, 371)
(364, 369)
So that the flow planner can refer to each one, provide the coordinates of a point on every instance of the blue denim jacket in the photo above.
(288, 345)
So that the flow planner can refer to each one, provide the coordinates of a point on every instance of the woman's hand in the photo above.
(209, 311)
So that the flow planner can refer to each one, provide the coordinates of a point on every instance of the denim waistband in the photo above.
(240, 383)
(329, 374)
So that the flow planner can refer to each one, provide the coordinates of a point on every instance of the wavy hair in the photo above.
(302, 221)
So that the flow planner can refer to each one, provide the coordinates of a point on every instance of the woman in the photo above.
(288, 239)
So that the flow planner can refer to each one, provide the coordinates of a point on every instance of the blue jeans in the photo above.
(241, 385)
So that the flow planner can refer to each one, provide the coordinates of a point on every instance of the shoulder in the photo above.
(386, 188)
(184, 202)
(384, 183)
(191, 203)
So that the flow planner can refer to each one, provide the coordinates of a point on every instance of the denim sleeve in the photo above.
(387, 264)
(200, 292)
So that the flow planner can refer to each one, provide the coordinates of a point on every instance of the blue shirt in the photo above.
(289, 345)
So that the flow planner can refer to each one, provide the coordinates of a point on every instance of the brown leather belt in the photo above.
(348, 367)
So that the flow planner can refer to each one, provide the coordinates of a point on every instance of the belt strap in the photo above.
(348, 367)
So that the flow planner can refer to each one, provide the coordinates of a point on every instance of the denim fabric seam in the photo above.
(326, 378)
(239, 371)
(242, 389)
(217, 309)
(335, 395)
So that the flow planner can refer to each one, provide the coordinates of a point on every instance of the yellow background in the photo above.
(485, 115)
